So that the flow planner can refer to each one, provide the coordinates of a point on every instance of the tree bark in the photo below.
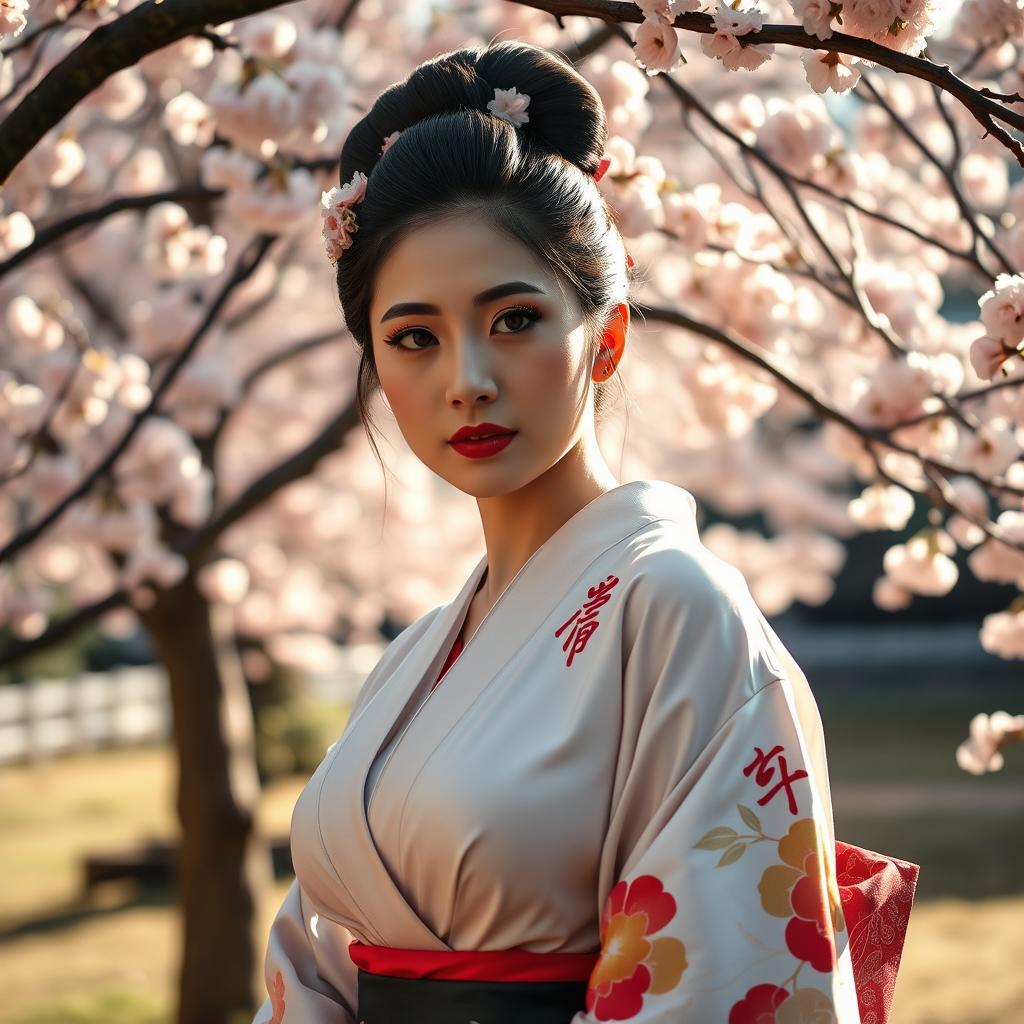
(224, 865)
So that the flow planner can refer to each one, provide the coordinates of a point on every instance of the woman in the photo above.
(616, 804)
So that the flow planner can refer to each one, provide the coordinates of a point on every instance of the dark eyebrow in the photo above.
(497, 292)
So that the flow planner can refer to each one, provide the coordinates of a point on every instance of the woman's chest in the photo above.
(496, 820)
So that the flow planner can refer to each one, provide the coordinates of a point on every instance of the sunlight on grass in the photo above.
(113, 959)
(104, 1008)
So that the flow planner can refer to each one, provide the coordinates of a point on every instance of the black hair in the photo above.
(532, 182)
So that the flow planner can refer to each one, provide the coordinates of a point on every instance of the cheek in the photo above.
(403, 393)
(548, 369)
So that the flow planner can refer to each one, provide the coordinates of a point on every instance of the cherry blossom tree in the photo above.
(802, 185)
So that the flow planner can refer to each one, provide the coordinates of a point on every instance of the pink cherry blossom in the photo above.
(829, 69)
(889, 595)
(389, 141)
(276, 204)
(988, 356)
(996, 562)
(735, 21)
(1002, 634)
(972, 500)
(990, 449)
(623, 89)
(152, 564)
(989, 21)
(869, 17)
(226, 580)
(657, 46)
(221, 167)
(816, 16)
(796, 134)
(12, 17)
(882, 507)
(270, 34)
(16, 232)
(267, 109)
(189, 120)
(1002, 309)
(921, 566)
(979, 753)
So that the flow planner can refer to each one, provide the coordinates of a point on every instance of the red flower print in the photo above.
(758, 1005)
(808, 941)
(631, 964)
(277, 999)
(770, 1004)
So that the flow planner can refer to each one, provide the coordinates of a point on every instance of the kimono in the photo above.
(619, 790)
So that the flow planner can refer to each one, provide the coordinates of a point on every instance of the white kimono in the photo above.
(623, 760)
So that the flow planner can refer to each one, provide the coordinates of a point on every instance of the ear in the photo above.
(613, 342)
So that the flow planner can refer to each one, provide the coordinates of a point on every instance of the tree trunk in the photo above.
(223, 864)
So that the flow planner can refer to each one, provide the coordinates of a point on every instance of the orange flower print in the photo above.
(803, 889)
(632, 964)
(277, 999)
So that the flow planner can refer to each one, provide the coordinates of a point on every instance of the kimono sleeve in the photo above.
(726, 907)
(308, 972)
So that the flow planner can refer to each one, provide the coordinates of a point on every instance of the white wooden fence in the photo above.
(44, 718)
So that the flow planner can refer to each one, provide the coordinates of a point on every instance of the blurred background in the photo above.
(242, 561)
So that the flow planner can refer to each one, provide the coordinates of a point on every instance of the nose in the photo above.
(470, 374)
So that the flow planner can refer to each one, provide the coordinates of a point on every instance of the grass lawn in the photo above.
(112, 960)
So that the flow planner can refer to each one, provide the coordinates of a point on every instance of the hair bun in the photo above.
(566, 114)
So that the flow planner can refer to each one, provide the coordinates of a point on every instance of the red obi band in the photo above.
(472, 965)
(876, 892)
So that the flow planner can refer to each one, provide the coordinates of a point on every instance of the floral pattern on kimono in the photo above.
(732, 913)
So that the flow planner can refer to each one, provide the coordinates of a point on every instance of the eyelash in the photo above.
(530, 312)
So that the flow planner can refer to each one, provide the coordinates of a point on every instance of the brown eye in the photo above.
(524, 315)
(394, 339)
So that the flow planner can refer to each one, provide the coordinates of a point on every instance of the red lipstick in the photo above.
(481, 440)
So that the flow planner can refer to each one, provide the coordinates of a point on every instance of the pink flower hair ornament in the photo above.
(338, 215)
(337, 207)
(510, 105)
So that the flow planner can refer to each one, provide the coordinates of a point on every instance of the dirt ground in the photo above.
(113, 958)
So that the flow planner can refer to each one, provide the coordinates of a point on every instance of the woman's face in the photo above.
(501, 344)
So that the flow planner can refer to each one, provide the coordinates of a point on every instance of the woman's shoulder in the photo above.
(696, 609)
(669, 566)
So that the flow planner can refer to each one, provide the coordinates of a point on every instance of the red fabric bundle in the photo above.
(876, 892)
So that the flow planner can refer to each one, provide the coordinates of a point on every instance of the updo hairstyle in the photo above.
(532, 182)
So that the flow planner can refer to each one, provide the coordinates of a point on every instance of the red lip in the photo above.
(478, 430)
(484, 448)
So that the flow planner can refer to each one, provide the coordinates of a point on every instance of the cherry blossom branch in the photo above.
(62, 629)
(252, 378)
(819, 404)
(110, 48)
(944, 495)
(46, 236)
(963, 396)
(986, 109)
(758, 154)
(196, 545)
(858, 296)
(948, 175)
(247, 263)
(42, 433)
